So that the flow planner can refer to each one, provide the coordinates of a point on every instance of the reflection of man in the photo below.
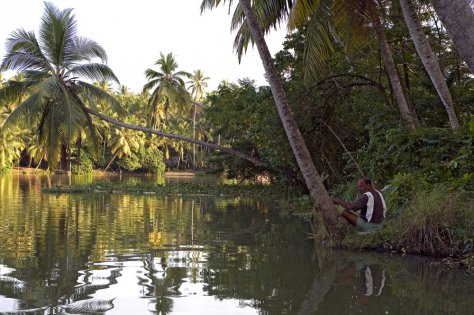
(371, 205)
(373, 277)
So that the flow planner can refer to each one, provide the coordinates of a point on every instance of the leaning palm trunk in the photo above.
(390, 67)
(458, 19)
(429, 60)
(110, 163)
(208, 145)
(314, 182)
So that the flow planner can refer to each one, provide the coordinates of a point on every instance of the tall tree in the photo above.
(407, 113)
(51, 65)
(314, 181)
(458, 19)
(168, 89)
(429, 60)
(197, 84)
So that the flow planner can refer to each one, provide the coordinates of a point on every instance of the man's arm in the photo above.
(355, 206)
(342, 203)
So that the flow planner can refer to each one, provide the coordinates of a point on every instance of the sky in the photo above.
(134, 32)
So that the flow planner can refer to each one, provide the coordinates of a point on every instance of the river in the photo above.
(139, 254)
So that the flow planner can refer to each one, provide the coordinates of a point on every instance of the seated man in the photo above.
(371, 204)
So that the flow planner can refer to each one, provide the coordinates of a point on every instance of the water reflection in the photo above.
(124, 254)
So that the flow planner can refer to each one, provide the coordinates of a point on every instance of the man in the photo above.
(371, 205)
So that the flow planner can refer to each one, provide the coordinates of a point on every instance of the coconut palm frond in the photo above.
(20, 61)
(96, 93)
(319, 43)
(152, 74)
(57, 31)
(269, 14)
(94, 71)
(89, 100)
(148, 86)
(350, 19)
(302, 12)
(13, 90)
(24, 52)
(211, 4)
(51, 135)
(88, 49)
(29, 107)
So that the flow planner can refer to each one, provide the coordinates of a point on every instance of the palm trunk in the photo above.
(392, 73)
(429, 60)
(39, 163)
(458, 19)
(107, 167)
(314, 182)
(194, 137)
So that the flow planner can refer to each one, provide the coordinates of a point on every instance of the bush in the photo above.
(5, 168)
(434, 154)
(85, 167)
(130, 163)
(152, 160)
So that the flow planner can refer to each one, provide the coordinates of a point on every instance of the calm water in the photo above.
(131, 254)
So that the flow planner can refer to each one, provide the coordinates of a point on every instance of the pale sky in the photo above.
(134, 32)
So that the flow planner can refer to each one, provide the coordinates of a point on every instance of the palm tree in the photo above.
(458, 19)
(429, 59)
(168, 89)
(314, 181)
(51, 65)
(123, 143)
(197, 84)
(10, 149)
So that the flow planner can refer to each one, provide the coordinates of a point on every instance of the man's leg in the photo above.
(350, 217)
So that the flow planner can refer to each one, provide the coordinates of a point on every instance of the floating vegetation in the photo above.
(253, 190)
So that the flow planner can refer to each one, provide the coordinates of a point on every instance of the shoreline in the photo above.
(99, 172)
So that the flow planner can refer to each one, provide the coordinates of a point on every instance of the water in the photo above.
(132, 254)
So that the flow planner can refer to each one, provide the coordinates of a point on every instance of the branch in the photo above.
(340, 141)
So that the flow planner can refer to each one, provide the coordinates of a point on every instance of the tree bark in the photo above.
(394, 78)
(429, 60)
(458, 19)
(333, 222)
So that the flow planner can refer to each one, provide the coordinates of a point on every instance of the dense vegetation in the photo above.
(348, 109)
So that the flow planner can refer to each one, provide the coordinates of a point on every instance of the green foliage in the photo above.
(152, 160)
(85, 166)
(130, 163)
(428, 155)
(5, 168)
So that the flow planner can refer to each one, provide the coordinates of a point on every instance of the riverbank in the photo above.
(437, 223)
(171, 173)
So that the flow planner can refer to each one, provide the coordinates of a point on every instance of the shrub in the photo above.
(152, 160)
(85, 166)
(130, 163)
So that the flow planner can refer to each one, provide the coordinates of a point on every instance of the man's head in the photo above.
(364, 185)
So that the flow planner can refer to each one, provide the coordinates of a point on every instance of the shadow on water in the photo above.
(124, 254)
